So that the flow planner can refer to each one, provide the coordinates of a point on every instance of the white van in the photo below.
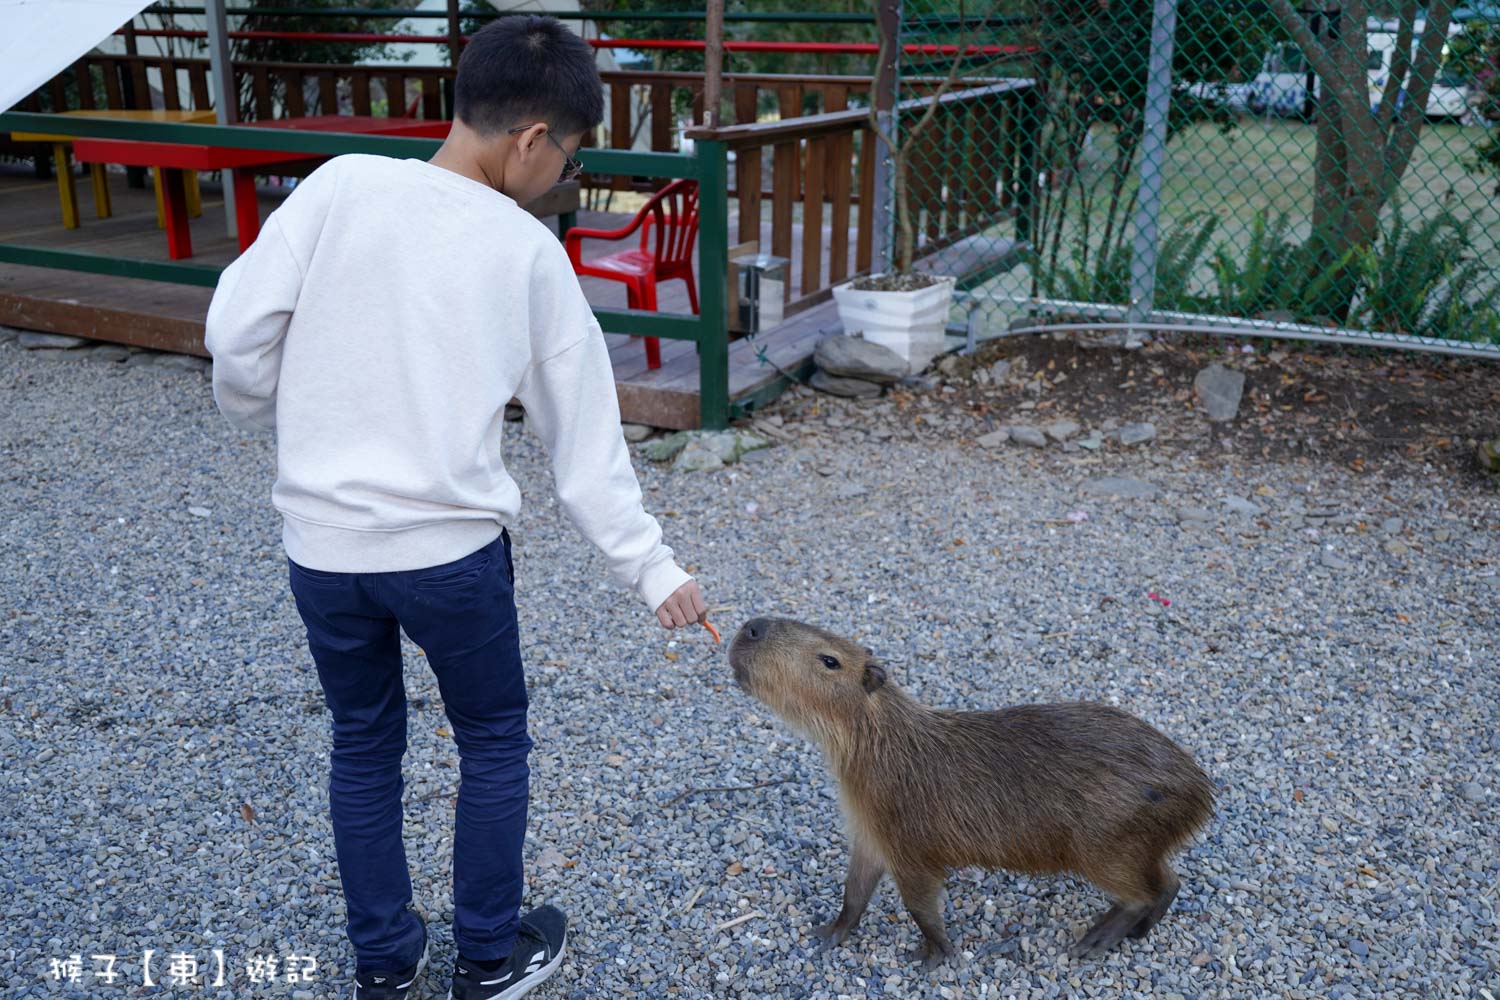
(1280, 88)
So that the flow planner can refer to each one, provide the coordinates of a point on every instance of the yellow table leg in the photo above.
(194, 200)
(102, 207)
(161, 210)
(65, 189)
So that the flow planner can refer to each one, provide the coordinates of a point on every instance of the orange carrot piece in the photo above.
(712, 631)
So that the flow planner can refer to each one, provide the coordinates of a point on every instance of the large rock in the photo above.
(32, 341)
(853, 357)
(1219, 390)
(839, 385)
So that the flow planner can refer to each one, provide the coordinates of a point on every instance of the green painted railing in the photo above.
(707, 165)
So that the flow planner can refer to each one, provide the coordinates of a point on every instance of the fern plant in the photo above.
(1426, 279)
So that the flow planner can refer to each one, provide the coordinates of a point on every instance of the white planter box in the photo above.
(910, 323)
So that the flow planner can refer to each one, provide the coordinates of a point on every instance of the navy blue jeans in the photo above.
(463, 616)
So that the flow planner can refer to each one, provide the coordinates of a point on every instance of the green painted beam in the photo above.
(668, 326)
(744, 406)
(76, 260)
(599, 161)
(226, 136)
(713, 267)
(624, 161)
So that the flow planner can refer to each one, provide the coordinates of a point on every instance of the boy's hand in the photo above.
(684, 607)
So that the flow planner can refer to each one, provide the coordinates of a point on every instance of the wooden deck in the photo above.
(170, 317)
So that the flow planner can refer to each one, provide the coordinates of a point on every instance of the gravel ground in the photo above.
(1329, 657)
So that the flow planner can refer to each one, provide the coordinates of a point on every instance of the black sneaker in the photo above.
(536, 955)
(381, 984)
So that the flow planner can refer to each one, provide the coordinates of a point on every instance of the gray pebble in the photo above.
(1029, 436)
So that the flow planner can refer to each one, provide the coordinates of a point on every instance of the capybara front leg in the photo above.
(865, 872)
(923, 895)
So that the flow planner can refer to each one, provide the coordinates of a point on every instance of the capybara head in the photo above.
(809, 677)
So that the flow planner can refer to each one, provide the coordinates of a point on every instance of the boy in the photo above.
(380, 323)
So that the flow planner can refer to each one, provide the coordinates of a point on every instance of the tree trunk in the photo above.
(1362, 153)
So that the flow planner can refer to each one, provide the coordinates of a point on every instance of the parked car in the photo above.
(1281, 86)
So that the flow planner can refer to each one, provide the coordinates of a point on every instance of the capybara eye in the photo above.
(829, 662)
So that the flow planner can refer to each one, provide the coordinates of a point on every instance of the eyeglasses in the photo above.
(571, 167)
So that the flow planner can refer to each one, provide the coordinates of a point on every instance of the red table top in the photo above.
(133, 153)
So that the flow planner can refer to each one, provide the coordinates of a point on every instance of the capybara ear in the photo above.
(874, 676)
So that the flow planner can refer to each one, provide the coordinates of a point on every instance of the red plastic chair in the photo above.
(671, 217)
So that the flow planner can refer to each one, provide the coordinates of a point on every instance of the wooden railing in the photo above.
(967, 181)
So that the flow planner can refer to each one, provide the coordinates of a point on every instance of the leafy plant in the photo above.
(1278, 274)
(1426, 280)
(1105, 277)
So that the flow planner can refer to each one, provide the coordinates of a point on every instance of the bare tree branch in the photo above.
(1403, 141)
(1400, 63)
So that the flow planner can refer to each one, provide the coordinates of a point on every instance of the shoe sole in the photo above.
(416, 976)
(531, 982)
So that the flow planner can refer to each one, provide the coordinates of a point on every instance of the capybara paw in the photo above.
(931, 956)
(1108, 931)
(831, 934)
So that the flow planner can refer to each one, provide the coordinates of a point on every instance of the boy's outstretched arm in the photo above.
(570, 402)
(247, 322)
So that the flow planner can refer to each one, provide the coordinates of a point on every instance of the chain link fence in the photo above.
(1326, 173)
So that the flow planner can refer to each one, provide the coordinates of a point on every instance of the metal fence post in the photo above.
(226, 98)
(883, 96)
(1153, 154)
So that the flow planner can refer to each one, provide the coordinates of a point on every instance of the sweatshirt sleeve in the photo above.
(247, 322)
(570, 402)
(253, 302)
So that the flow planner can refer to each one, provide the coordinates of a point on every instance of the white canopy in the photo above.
(41, 38)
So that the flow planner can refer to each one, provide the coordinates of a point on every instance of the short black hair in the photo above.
(525, 68)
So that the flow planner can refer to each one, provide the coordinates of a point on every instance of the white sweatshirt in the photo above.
(384, 316)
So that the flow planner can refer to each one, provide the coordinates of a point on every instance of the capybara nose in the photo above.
(755, 628)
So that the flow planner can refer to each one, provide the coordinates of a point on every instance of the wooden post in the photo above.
(713, 63)
(226, 103)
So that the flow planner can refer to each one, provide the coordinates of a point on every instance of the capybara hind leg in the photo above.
(1167, 879)
(865, 872)
(923, 895)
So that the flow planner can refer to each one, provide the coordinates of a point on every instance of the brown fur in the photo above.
(1077, 787)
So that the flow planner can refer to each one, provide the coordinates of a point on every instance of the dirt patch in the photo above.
(1355, 406)
(1367, 410)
